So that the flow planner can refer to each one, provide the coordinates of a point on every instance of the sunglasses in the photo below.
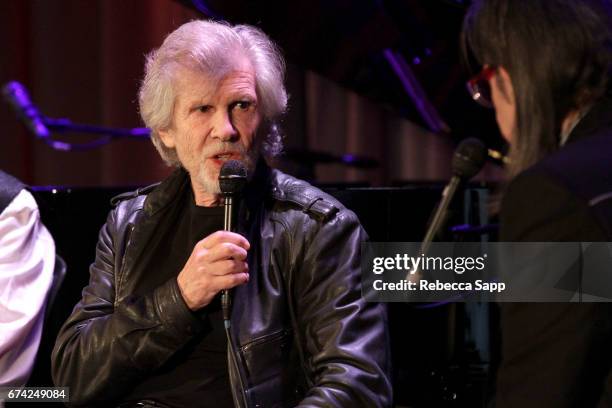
(479, 87)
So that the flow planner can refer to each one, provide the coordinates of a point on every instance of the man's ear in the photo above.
(167, 138)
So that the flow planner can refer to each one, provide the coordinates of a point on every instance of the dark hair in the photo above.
(558, 54)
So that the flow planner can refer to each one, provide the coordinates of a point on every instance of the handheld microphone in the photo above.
(17, 96)
(232, 179)
(468, 159)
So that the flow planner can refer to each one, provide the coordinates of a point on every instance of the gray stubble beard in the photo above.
(210, 182)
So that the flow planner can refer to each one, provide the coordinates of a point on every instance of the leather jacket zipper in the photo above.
(235, 359)
(264, 339)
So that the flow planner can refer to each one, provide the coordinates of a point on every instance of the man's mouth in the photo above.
(224, 156)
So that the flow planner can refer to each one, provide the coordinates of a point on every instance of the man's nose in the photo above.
(223, 128)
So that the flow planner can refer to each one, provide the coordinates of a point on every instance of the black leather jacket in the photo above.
(303, 334)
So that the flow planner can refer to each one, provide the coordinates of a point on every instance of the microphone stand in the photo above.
(469, 157)
(447, 195)
(16, 95)
(436, 223)
(66, 126)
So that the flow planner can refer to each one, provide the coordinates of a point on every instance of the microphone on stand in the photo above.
(232, 179)
(468, 159)
(17, 96)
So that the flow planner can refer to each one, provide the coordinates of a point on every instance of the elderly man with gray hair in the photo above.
(149, 330)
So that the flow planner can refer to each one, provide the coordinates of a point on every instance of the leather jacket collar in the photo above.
(168, 191)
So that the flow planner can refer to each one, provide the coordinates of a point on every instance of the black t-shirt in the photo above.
(197, 375)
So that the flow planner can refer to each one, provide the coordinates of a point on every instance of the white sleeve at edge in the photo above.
(27, 259)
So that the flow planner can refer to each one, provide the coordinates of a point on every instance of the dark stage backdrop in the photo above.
(83, 59)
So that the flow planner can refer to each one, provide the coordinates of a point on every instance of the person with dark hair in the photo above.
(151, 330)
(546, 69)
(27, 260)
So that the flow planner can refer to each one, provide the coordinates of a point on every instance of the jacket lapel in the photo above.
(147, 227)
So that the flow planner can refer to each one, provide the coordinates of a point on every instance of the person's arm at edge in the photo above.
(27, 259)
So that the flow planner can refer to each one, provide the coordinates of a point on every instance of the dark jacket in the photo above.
(303, 333)
(560, 355)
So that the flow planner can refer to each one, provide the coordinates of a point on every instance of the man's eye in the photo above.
(243, 105)
(203, 108)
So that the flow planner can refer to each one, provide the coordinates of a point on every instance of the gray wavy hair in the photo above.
(212, 47)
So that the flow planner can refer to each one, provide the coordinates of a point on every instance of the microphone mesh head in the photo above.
(469, 158)
(232, 177)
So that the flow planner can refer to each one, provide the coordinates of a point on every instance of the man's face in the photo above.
(214, 120)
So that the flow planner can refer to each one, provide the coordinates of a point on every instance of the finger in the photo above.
(229, 281)
(226, 250)
(225, 236)
(229, 266)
